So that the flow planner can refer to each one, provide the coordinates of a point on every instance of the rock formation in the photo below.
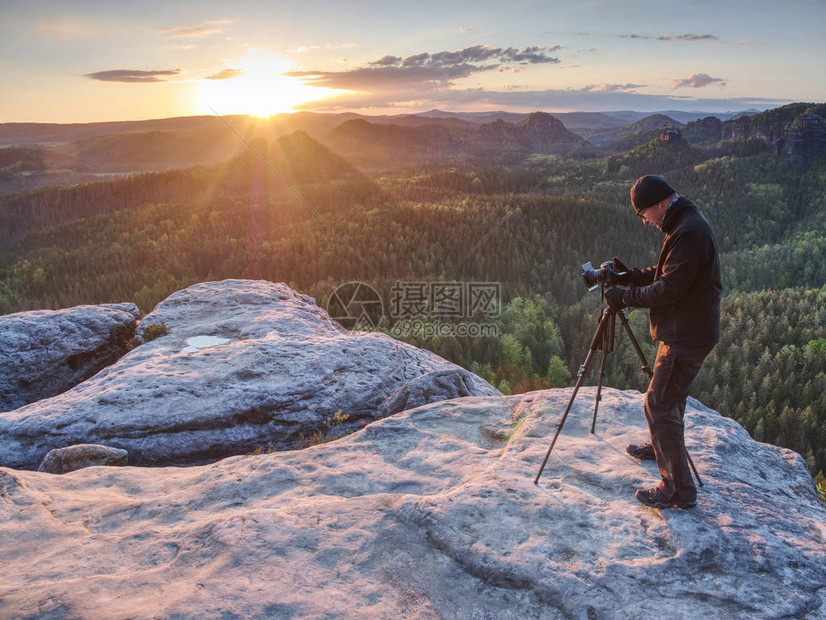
(244, 365)
(46, 352)
(430, 513)
(802, 139)
(704, 131)
(64, 460)
(670, 134)
(539, 132)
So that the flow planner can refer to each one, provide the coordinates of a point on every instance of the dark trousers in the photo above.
(674, 370)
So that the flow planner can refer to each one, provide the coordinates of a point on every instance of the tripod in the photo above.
(603, 340)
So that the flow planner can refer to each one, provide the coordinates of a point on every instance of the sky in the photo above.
(83, 61)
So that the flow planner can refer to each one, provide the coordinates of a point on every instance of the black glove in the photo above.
(625, 278)
(613, 297)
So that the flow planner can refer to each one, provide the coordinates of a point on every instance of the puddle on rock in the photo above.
(196, 343)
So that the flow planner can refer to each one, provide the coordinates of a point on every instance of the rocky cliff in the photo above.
(795, 131)
(238, 365)
(46, 352)
(430, 513)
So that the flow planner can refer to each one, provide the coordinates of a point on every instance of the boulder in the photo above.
(46, 352)
(430, 513)
(429, 388)
(237, 366)
(64, 460)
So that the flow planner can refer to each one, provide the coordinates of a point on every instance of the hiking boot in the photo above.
(643, 452)
(657, 499)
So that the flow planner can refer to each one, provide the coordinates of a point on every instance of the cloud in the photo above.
(389, 78)
(416, 59)
(611, 88)
(425, 70)
(226, 74)
(386, 61)
(698, 80)
(697, 37)
(474, 53)
(668, 37)
(131, 75)
(530, 55)
(197, 31)
(530, 100)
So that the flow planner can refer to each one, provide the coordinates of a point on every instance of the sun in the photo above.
(259, 87)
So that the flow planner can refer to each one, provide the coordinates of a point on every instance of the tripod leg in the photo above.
(694, 469)
(645, 367)
(565, 415)
(595, 341)
(599, 388)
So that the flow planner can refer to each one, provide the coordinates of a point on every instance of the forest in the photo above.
(294, 209)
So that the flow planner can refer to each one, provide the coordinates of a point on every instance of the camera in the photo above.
(608, 273)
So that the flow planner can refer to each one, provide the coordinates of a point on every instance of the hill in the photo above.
(297, 155)
(155, 150)
(627, 137)
(657, 155)
(368, 143)
(90, 152)
(377, 144)
(538, 133)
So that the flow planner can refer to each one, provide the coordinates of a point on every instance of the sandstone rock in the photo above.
(46, 352)
(429, 388)
(431, 513)
(244, 364)
(670, 134)
(64, 460)
(802, 139)
(539, 132)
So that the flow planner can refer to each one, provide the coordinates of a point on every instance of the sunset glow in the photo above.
(97, 61)
(258, 87)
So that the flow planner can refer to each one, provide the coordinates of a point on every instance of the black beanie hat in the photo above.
(648, 191)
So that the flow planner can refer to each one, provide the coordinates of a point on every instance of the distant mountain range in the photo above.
(34, 155)
(315, 124)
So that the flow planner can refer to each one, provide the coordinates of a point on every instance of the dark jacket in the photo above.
(683, 291)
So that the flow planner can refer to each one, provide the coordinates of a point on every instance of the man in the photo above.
(683, 294)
